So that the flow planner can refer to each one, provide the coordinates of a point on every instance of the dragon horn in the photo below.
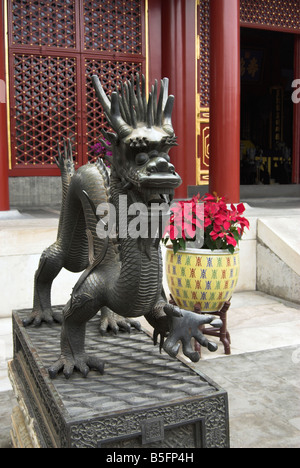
(165, 91)
(158, 118)
(132, 103)
(144, 99)
(139, 98)
(150, 111)
(111, 109)
(166, 106)
(167, 120)
(154, 94)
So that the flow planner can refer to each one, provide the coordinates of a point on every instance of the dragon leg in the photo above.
(51, 262)
(83, 305)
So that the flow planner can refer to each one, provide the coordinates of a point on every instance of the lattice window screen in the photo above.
(284, 14)
(54, 48)
(113, 26)
(45, 106)
(203, 60)
(43, 23)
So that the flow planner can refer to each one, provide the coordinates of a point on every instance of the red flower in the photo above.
(223, 226)
(231, 240)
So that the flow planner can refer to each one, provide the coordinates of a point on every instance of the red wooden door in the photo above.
(54, 47)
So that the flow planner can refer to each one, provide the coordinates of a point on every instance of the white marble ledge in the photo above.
(282, 236)
(250, 215)
(27, 223)
(20, 270)
(27, 239)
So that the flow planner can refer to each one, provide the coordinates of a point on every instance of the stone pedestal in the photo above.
(144, 400)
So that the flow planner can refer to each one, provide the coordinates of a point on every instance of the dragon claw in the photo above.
(172, 311)
(83, 363)
(114, 322)
(185, 327)
(37, 317)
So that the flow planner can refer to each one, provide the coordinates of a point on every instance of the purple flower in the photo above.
(101, 151)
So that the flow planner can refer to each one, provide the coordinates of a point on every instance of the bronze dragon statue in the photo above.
(122, 274)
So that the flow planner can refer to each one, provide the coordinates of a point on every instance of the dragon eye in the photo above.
(141, 159)
(153, 154)
(165, 156)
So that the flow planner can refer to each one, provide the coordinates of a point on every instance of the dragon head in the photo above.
(143, 137)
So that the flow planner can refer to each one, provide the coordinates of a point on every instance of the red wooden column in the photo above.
(4, 191)
(179, 65)
(224, 175)
(296, 130)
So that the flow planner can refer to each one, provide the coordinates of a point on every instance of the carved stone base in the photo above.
(20, 434)
(144, 399)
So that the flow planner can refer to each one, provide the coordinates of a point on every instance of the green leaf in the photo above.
(219, 243)
(210, 243)
(182, 244)
(231, 249)
(176, 247)
(236, 236)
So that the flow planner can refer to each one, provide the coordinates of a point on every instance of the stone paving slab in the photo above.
(264, 396)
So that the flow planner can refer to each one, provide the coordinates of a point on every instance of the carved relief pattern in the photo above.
(213, 410)
(183, 437)
(203, 146)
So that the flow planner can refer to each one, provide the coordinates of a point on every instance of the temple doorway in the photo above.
(267, 73)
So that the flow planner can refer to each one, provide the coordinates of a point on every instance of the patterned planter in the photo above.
(200, 276)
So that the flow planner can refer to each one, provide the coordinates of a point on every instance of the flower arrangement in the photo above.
(221, 226)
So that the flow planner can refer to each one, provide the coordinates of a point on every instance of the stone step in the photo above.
(278, 257)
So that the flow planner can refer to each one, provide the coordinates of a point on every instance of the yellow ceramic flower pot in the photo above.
(200, 276)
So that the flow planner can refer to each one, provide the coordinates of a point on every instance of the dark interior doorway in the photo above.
(267, 72)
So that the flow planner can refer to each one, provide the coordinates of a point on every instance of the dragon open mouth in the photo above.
(155, 186)
(156, 196)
